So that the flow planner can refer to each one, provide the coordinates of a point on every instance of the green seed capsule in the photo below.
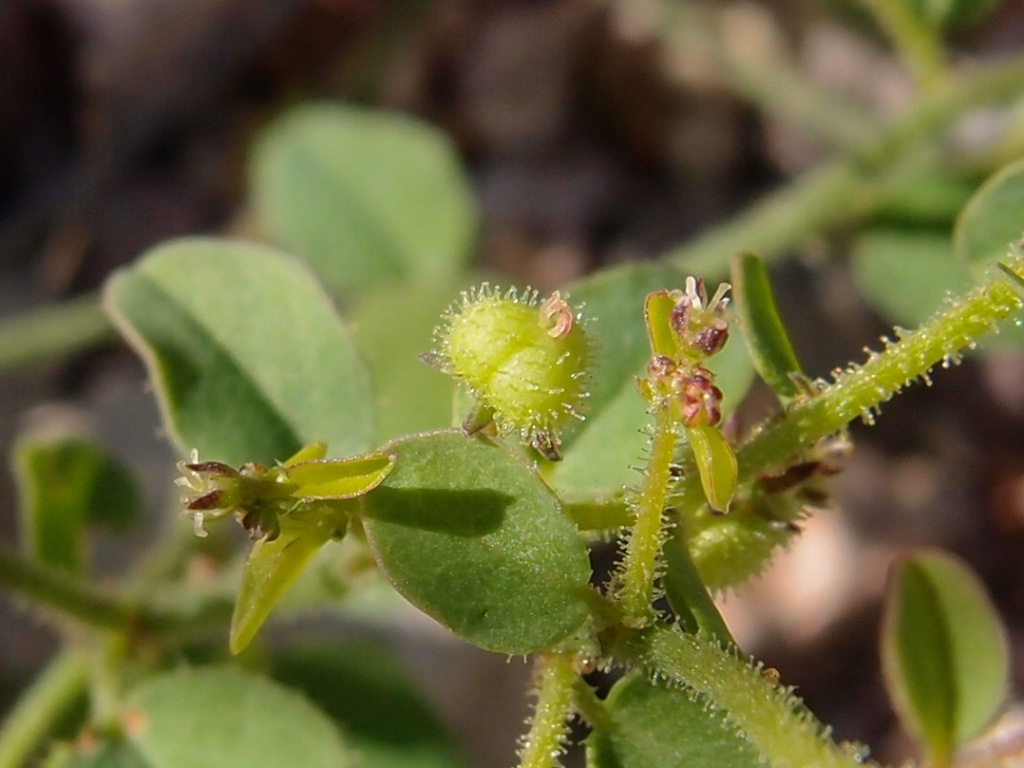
(524, 360)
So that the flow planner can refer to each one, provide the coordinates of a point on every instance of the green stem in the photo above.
(78, 600)
(640, 562)
(917, 44)
(41, 707)
(767, 715)
(49, 332)
(859, 390)
(545, 741)
(844, 191)
(760, 75)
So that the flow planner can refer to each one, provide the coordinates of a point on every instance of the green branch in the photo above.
(917, 44)
(40, 707)
(545, 741)
(858, 391)
(843, 191)
(767, 715)
(81, 601)
(52, 331)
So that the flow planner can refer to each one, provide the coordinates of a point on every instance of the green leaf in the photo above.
(716, 464)
(768, 343)
(392, 327)
(599, 453)
(103, 754)
(66, 485)
(952, 14)
(993, 219)
(272, 566)
(470, 535)
(367, 197)
(944, 651)
(218, 716)
(658, 308)
(368, 694)
(653, 726)
(906, 275)
(339, 478)
(249, 358)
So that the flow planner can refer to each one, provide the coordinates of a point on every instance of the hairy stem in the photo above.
(50, 697)
(640, 562)
(859, 390)
(545, 741)
(766, 714)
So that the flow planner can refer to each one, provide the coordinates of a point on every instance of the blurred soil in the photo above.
(125, 122)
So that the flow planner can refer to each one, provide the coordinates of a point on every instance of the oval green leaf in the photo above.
(993, 219)
(367, 197)
(249, 358)
(65, 486)
(944, 652)
(219, 716)
(653, 726)
(384, 718)
(767, 341)
(599, 453)
(470, 535)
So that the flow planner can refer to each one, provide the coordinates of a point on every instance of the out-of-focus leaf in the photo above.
(600, 452)
(944, 651)
(218, 716)
(364, 690)
(653, 726)
(392, 327)
(946, 15)
(102, 754)
(367, 197)
(249, 358)
(66, 485)
(993, 219)
(907, 275)
(770, 348)
(470, 535)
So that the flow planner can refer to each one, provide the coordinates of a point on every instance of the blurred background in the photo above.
(594, 133)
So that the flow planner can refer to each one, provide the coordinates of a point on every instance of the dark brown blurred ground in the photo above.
(125, 122)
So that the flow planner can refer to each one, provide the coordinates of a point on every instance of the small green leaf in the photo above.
(218, 716)
(367, 197)
(274, 564)
(469, 534)
(993, 219)
(599, 453)
(716, 464)
(384, 718)
(770, 348)
(657, 317)
(944, 651)
(66, 485)
(907, 275)
(653, 726)
(249, 358)
(339, 478)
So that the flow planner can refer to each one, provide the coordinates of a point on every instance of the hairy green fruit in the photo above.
(524, 360)
(730, 549)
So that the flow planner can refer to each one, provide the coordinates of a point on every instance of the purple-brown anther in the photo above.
(698, 322)
(700, 400)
